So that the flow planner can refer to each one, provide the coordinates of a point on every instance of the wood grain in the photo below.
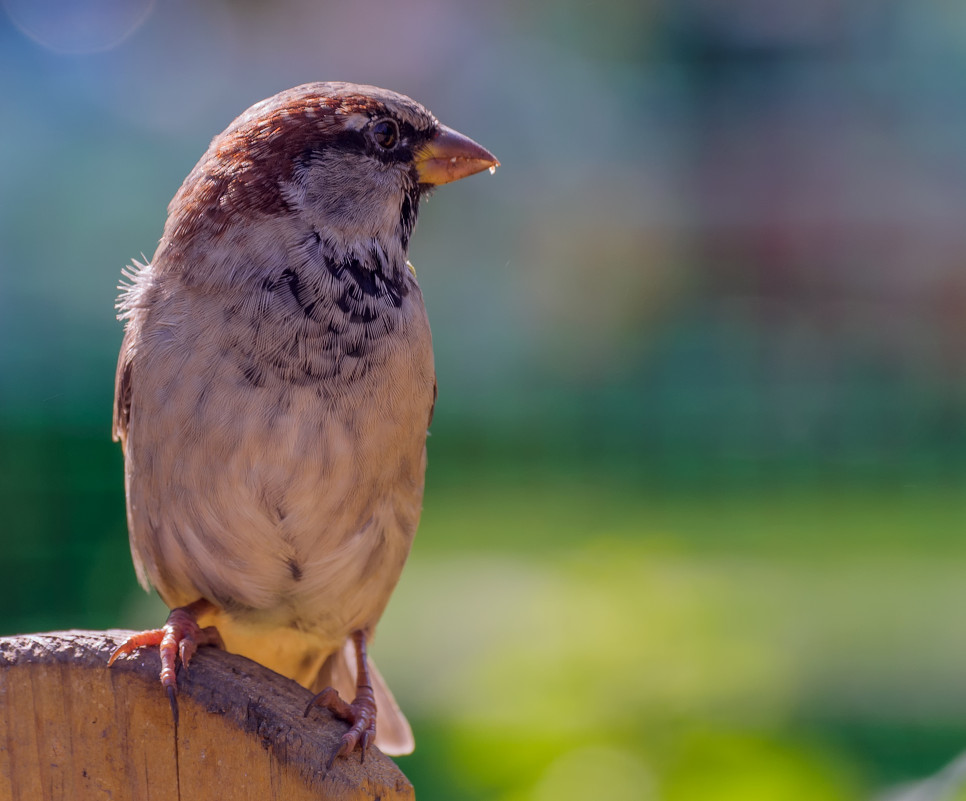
(72, 729)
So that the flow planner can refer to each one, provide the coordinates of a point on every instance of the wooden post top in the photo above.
(71, 728)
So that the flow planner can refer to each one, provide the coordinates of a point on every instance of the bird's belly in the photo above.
(285, 504)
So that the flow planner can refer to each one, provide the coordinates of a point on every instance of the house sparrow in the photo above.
(274, 389)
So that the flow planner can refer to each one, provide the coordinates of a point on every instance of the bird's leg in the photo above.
(361, 713)
(180, 637)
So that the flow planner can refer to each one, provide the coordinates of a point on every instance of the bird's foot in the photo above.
(179, 638)
(360, 714)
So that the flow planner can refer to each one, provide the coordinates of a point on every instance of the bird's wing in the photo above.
(432, 407)
(122, 420)
(122, 390)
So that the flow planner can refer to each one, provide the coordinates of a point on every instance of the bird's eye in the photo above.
(385, 133)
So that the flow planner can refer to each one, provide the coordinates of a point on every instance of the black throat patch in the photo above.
(333, 313)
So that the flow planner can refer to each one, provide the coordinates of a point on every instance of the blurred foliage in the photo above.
(695, 510)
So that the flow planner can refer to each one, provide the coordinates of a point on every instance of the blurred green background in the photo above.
(697, 491)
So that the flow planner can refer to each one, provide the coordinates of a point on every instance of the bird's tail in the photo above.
(393, 733)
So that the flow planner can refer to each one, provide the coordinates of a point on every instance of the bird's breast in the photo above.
(325, 320)
(277, 468)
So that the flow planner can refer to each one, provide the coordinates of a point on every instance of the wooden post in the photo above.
(73, 729)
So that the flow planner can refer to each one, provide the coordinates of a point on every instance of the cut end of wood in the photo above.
(77, 729)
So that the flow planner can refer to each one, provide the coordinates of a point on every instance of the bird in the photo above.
(274, 390)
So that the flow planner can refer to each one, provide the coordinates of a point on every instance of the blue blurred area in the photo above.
(701, 346)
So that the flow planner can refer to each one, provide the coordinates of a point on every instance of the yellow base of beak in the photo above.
(450, 156)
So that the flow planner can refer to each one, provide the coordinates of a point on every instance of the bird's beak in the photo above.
(450, 156)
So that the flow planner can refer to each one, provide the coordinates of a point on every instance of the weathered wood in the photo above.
(73, 729)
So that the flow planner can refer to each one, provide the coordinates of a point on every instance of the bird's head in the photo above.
(344, 161)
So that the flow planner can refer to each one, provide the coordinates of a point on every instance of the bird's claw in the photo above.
(360, 714)
(179, 638)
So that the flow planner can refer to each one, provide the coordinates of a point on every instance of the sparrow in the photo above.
(274, 389)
